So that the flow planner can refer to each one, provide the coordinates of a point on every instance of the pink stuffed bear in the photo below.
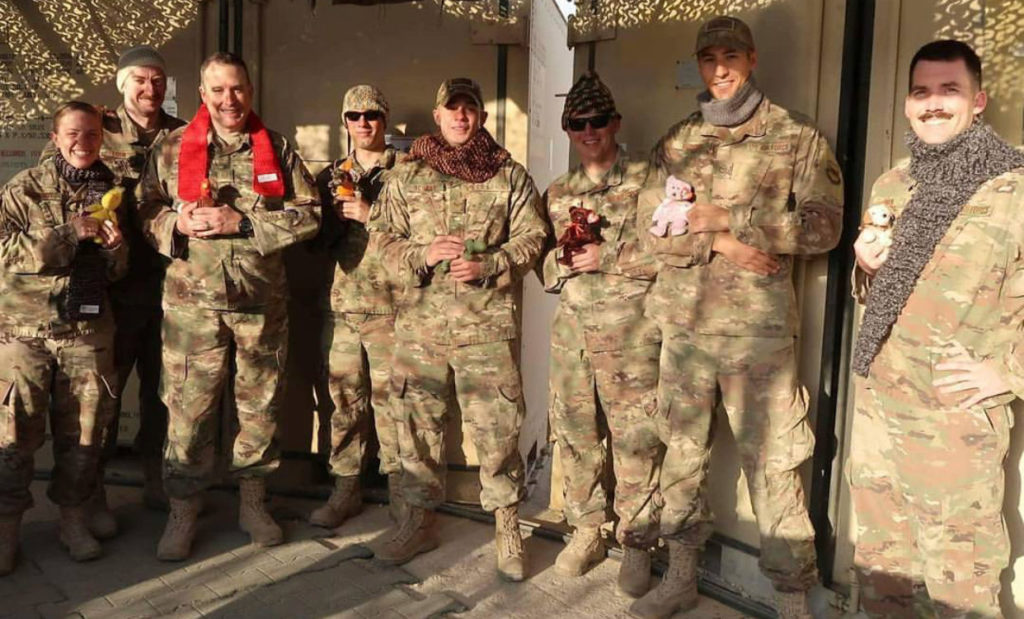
(670, 216)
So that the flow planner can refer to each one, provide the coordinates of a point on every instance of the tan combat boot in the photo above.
(396, 502)
(176, 542)
(102, 523)
(792, 605)
(75, 535)
(583, 550)
(346, 501)
(677, 590)
(634, 572)
(252, 513)
(153, 495)
(508, 541)
(9, 527)
(416, 534)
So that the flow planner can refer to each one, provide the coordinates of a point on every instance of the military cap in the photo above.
(588, 95)
(139, 56)
(725, 31)
(364, 98)
(459, 86)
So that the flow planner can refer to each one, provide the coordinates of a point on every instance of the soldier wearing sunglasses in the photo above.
(604, 353)
(359, 330)
(768, 189)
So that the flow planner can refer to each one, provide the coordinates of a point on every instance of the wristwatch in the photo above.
(245, 226)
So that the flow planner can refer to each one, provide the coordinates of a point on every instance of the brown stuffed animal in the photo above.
(877, 224)
(583, 228)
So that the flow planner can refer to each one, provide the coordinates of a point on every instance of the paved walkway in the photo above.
(318, 573)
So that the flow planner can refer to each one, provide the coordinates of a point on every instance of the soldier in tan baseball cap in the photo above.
(725, 31)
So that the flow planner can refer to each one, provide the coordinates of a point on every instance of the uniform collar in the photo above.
(386, 161)
(581, 183)
(130, 130)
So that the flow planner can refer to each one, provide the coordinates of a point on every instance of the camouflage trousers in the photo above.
(72, 381)
(138, 345)
(358, 349)
(483, 380)
(927, 487)
(196, 371)
(594, 395)
(767, 411)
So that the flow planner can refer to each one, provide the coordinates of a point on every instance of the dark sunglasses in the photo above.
(597, 122)
(371, 115)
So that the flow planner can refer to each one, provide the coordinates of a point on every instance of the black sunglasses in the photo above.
(371, 115)
(597, 122)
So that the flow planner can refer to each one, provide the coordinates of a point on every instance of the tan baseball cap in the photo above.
(725, 31)
(459, 86)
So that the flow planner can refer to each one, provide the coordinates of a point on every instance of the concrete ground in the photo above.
(318, 573)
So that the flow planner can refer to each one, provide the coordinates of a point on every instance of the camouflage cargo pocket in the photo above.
(791, 441)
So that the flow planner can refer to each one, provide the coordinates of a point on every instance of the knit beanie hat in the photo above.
(588, 95)
(141, 56)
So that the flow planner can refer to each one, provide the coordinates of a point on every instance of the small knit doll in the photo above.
(877, 223)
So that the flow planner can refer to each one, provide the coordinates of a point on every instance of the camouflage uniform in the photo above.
(49, 364)
(219, 291)
(927, 475)
(729, 328)
(136, 297)
(604, 358)
(360, 331)
(449, 333)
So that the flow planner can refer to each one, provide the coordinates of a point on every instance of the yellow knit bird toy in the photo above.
(106, 210)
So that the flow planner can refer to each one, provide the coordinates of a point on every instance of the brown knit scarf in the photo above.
(475, 161)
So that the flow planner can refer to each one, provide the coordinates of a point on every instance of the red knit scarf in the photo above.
(475, 161)
(194, 157)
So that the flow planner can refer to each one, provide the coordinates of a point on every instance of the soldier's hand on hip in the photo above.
(870, 252)
(85, 227)
(444, 247)
(215, 221)
(110, 235)
(586, 259)
(708, 218)
(744, 256)
(466, 271)
(969, 375)
(352, 207)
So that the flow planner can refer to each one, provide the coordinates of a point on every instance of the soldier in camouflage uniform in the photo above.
(225, 290)
(767, 190)
(359, 335)
(932, 420)
(604, 353)
(55, 354)
(128, 134)
(459, 225)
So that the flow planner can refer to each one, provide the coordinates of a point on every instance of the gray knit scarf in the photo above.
(946, 175)
(733, 111)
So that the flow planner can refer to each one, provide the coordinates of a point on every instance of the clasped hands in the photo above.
(204, 221)
(106, 231)
(452, 248)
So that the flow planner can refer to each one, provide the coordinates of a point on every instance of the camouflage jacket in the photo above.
(360, 285)
(228, 272)
(125, 153)
(778, 179)
(602, 310)
(971, 292)
(37, 248)
(417, 204)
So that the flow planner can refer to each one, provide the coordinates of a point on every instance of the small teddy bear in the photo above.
(583, 228)
(671, 214)
(876, 225)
